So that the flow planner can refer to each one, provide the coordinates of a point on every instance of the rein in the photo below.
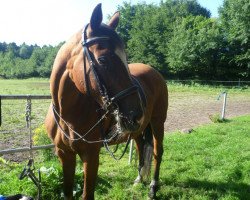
(107, 101)
(81, 137)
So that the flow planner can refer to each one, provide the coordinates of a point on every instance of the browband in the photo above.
(91, 41)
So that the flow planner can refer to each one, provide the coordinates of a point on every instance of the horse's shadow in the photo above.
(103, 185)
(214, 190)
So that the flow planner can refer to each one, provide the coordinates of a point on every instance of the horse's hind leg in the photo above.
(139, 146)
(158, 133)
(68, 161)
(144, 149)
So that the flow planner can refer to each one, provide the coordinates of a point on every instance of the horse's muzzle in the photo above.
(131, 123)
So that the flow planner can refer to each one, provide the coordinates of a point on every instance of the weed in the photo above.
(40, 137)
(216, 118)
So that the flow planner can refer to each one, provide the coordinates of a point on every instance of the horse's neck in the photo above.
(70, 100)
(69, 89)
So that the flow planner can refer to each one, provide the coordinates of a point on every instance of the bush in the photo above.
(41, 138)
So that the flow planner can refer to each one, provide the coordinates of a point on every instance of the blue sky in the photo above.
(52, 21)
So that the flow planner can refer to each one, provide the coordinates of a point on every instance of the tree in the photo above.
(3, 47)
(128, 13)
(235, 15)
(196, 48)
(152, 29)
(26, 61)
(25, 51)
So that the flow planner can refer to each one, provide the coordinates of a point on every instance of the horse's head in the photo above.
(109, 76)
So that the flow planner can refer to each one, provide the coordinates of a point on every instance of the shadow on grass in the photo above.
(239, 190)
(103, 185)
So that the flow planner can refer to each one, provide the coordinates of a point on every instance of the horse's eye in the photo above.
(102, 60)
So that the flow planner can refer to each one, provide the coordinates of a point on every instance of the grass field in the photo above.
(41, 86)
(213, 162)
(25, 86)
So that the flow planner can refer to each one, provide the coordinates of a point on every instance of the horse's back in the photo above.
(155, 89)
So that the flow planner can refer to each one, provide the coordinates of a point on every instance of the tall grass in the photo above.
(212, 162)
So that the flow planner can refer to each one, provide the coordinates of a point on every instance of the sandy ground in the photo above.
(186, 112)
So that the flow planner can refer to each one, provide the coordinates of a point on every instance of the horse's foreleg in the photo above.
(68, 161)
(158, 133)
(91, 163)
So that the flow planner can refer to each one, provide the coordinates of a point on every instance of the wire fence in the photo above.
(234, 83)
(186, 110)
(20, 115)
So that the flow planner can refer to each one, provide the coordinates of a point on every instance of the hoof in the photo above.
(153, 188)
(151, 194)
(138, 180)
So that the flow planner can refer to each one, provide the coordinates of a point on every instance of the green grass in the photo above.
(205, 89)
(212, 162)
(13, 111)
(24, 86)
(41, 86)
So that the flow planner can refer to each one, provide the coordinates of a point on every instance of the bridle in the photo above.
(107, 101)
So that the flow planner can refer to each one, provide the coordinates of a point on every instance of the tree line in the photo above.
(26, 61)
(180, 39)
(177, 37)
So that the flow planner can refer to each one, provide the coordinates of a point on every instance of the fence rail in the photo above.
(18, 97)
(24, 149)
(28, 98)
(230, 83)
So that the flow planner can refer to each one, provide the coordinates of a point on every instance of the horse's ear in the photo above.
(96, 18)
(113, 22)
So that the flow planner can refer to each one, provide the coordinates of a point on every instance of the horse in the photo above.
(98, 99)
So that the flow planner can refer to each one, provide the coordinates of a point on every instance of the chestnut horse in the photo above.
(98, 99)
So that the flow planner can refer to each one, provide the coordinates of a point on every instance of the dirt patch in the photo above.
(187, 111)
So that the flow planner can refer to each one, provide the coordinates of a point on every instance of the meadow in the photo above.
(212, 162)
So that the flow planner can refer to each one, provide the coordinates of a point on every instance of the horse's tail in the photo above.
(147, 150)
